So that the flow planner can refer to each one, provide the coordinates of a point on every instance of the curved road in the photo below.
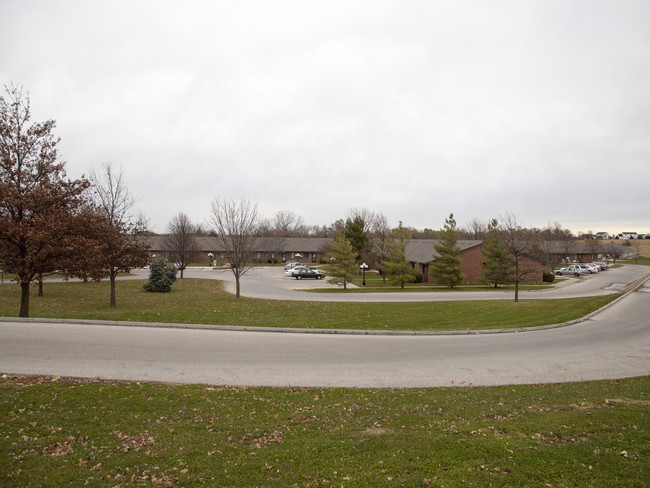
(613, 344)
(271, 283)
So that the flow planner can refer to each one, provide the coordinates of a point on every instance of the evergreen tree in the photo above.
(395, 266)
(161, 276)
(342, 256)
(357, 235)
(446, 267)
(499, 267)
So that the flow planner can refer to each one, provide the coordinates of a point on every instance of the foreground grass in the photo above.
(195, 301)
(56, 432)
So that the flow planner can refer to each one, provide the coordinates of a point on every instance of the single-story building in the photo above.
(563, 252)
(267, 249)
(421, 254)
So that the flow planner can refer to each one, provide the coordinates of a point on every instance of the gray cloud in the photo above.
(413, 109)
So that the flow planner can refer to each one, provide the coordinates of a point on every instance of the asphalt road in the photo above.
(271, 283)
(613, 344)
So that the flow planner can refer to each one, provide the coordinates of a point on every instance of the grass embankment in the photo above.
(376, 284)
(195, 301)
(71, 433)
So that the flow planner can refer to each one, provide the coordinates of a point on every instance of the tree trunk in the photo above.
(112, 277)
(237, 287)
(516, 279)
(40, 284)
(182, 272)
(24, 299)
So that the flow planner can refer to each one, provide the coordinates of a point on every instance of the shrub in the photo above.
(548, 277)
(161, 276)
(418, 277)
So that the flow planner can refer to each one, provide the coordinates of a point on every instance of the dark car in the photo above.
(308, 273)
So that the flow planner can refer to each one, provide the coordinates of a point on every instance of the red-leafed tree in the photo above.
(38, 203)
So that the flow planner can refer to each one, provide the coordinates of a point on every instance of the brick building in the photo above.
(268, 249)
(419, 252)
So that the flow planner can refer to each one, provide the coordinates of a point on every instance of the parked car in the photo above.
(292, 271)
(308, 273)
(602, 266)
(586, 268)
(572, 269)
(292, 264)
(593, 266)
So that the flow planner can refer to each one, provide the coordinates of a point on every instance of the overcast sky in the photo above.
(414, 109)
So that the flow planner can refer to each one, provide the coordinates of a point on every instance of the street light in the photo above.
(364, 267)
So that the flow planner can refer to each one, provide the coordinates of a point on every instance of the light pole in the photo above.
(210, 255)
(364, 267)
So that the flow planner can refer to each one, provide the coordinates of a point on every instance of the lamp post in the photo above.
(364, 267)
(210, 255)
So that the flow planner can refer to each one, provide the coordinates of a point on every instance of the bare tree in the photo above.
(120, 249)
(518, 243)
(364, 215)
(636, 244)
(475, 229)
(288, 224)
(236, 223)
(381, 233)
(180, 241)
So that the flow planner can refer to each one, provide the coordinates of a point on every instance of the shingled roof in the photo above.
(422, 251)
(277, 244)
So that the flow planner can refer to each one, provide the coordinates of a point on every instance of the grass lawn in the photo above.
(56, 432)
(196, 301)
(645, 260)
(377, 286)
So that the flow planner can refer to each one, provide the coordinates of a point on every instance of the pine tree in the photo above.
(446, 267)
(356, 234)
(395, 266)
(161, 276)
(499, 267)
(343, 266)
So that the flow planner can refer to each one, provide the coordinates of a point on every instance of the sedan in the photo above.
(571, 270)
(588, 269)
(292, 271)
(292, 264)
(308, 273)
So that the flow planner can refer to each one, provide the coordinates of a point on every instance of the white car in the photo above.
(572, 269)
(292, 271)
(292, 264)
(593, 266)
(586, 268)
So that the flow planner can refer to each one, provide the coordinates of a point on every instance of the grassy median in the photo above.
(56, 432)
(197, 301)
